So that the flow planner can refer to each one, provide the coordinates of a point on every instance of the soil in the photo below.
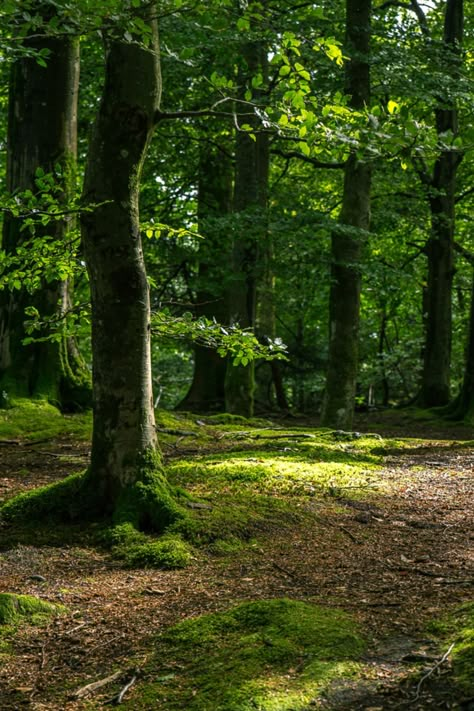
(394, 564)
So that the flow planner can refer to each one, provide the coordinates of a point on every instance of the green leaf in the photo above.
(393, 107)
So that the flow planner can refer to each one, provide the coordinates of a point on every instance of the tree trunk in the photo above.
(207, 391)
(435, 383)
(124, 445)
(250, 227)
(42, 128)
(347, 244)
(462, 408)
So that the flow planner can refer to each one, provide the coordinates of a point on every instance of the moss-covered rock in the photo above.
(274, 655)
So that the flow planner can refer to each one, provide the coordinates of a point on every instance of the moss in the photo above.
(138, 550)
(462, 624)
(458, 629)
(296, 469)
(38, 419)
(59, 501)
(168, 552)
(14, 608)
(150, 503)
(274, 655)
(229, 419)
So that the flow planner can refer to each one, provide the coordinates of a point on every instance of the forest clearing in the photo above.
(379, 528)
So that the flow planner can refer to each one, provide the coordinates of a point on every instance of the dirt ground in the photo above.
(394, 564)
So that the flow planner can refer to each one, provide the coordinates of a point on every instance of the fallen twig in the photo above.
(95, 686)
(431, 671)
(118, 698)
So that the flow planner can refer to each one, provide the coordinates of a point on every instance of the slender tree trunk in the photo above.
(42, 129)
(462, 406)
(124, 446)
(207, 391)
(435, 383)
(250, 207)
(347, 244)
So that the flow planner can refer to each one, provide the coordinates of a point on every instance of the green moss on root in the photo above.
(274, 655)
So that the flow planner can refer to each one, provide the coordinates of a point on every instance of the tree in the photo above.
(348, 237)
(207, 390)
(441, 193)
(250, 225)
(125, 473)
(42, 147)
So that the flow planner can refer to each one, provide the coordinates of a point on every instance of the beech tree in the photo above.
(348, 237)
(42, 148)
(125, 472)
(440, 186)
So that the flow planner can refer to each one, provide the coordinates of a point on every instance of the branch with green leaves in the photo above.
(241, 345)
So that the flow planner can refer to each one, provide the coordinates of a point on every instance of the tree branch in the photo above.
(307, 159)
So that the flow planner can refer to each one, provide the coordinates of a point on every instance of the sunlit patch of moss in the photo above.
(274, 655)
(458, 629)
(266, 472)
(14, 608)
(227, 418)
(38, 419)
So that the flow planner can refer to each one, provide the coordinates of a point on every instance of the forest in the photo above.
(236, 355)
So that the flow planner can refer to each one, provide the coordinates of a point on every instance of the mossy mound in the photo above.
(274, 655)
(38, 419)
(463, 652)
(15, 608)
(138, 550)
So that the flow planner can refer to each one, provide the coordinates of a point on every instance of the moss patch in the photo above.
(138, 550)
(458, 628)
(37, 419)
(463, 653)
(273, 655)
(15, 608)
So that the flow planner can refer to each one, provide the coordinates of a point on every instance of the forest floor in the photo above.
(390, 542)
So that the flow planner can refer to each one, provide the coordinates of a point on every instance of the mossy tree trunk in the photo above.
(441, 191)
(42, 128)
(250, 227)
(125, 472)
(348, 238)
(207, 390)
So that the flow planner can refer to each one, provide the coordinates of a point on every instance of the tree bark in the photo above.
(42, 133)
(207, 390)
(124, 445)
(435, 382)
(250, 208)
(348, 238)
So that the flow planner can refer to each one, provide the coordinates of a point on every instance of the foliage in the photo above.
(241, 344)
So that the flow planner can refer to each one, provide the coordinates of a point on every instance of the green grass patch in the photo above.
(272, 655)
(37, 419)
